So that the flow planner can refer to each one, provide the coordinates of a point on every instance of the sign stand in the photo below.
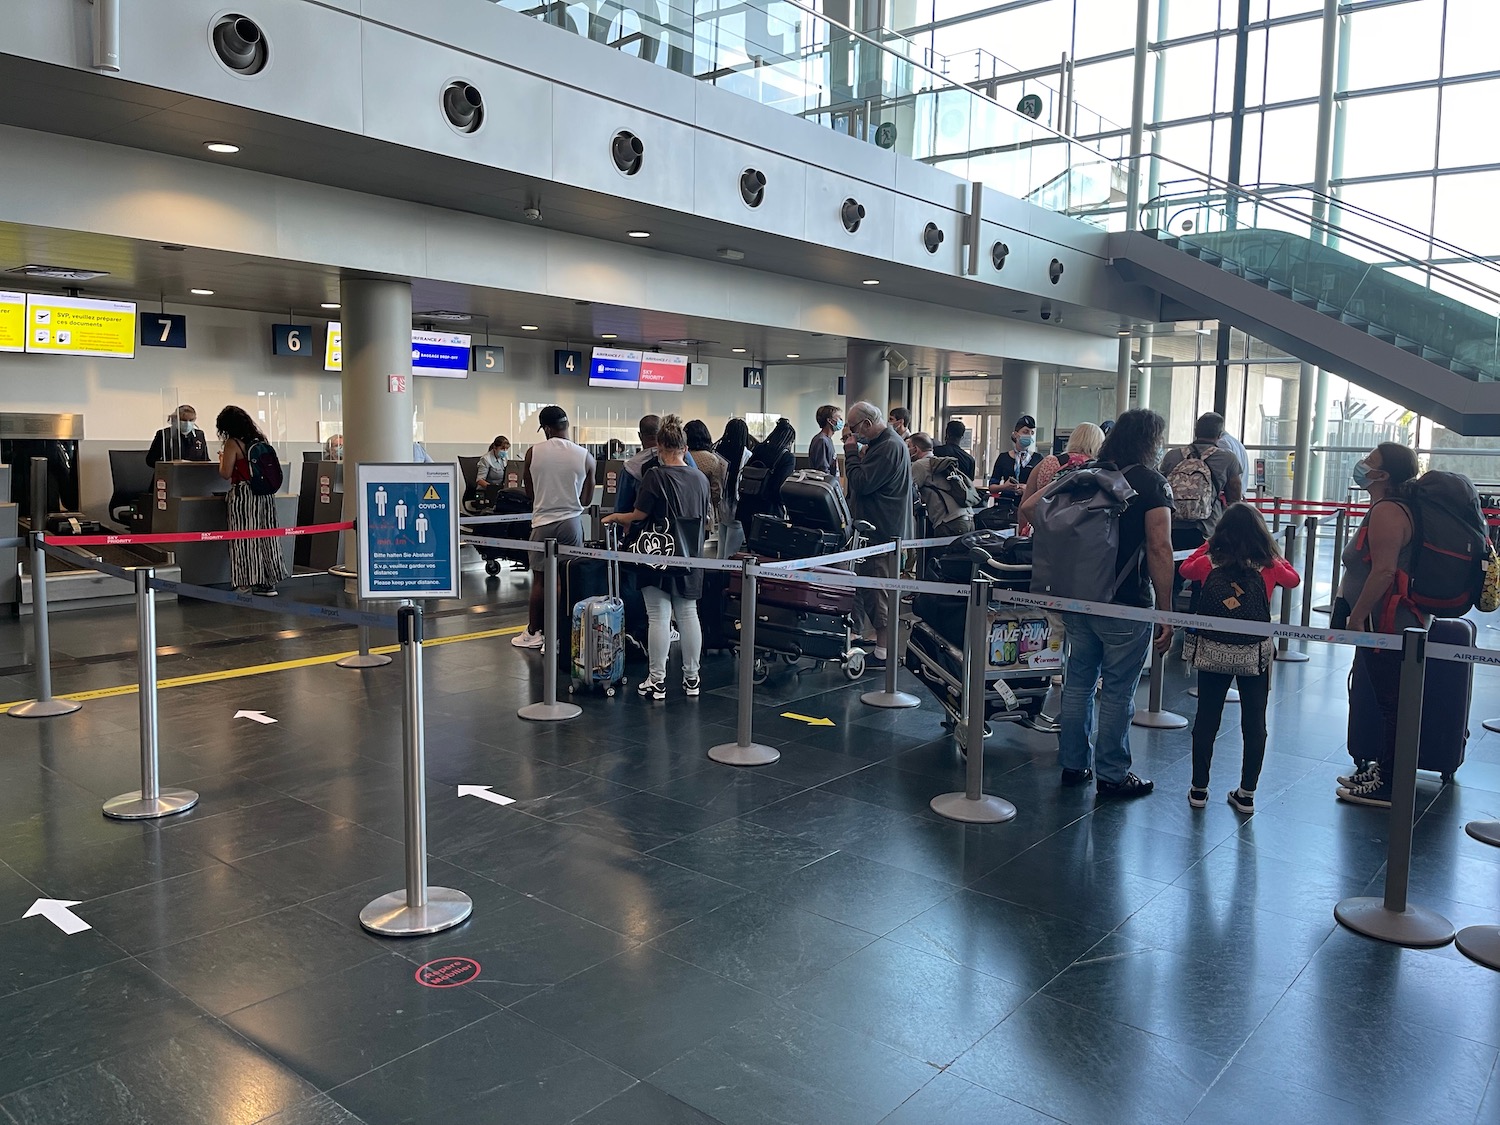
(892, 697)
(364, 658)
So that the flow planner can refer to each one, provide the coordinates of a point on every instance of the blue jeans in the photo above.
(1115, 650)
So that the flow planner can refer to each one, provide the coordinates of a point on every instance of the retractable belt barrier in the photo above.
(514, 517)
(206, 536)
(828, 560)
(506, 544)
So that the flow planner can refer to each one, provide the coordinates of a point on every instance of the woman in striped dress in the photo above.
(255, 565)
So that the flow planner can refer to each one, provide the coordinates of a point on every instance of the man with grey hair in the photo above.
(878, 466)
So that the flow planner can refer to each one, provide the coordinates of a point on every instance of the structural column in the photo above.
(867, 376)
(1122, 378)
(1018, 390)
(1312, 397)
(377, 407)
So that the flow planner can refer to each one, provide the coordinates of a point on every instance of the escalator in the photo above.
(1330, 293)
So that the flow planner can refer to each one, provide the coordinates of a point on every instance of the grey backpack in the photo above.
(1075, 535)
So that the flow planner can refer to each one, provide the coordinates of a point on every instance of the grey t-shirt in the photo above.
(559, 469)
(1223, 465)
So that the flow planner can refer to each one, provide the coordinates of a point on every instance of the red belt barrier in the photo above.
(195, 536)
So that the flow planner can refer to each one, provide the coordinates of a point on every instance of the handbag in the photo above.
(1210, 655)
(656, 537)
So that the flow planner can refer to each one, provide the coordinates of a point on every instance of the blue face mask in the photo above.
(1361, 475)
(502, 455)
(838, 424)
(861, 439)
(1025, 441)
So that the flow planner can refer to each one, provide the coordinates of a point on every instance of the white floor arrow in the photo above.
(56, 911)
(486, 792)
(259, 716)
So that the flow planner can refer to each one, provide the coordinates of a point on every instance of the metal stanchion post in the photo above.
(1309, 569)
(1275, 515)
(1283, 653)
(892, 697)
(1154, 717)
(1482, 943)
(418, 909)
(1485, 831)
(742, 751)
(1340, 529)
(152, 801)
(974, 805)
(1392, 918)
(364, 658)
(43, 706)
(549, 709)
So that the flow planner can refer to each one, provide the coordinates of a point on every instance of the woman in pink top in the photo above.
(1239, 543)
(1083, 447)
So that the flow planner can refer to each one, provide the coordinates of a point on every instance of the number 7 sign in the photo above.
(163, 330)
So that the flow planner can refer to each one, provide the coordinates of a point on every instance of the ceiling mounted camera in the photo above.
(533, 213)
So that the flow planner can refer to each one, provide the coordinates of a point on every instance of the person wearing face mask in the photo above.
(181, 441)
(1366, 602)
(821, 452)
(879, 468)
(1014, 465)
(901, 422)
(490, 472)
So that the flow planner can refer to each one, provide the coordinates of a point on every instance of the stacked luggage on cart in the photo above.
(797, 620)
(506, 502)
(1024, 644)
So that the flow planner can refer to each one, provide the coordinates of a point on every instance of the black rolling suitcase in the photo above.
(813, 499)
(818, 636)
(507, 502)
(778, 539)
(1446, 695)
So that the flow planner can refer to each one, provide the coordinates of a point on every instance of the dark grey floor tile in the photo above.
(900, 790)
(1244, 1096)
(764, 944)
(51, 827)
(1306, 891)
(186, 906)
(741, 852)
(643, 821)
(324, 863)
(204, 1074)
(943, 849)
(647, 767)
(346, 1023)
(1125, 848)
(827, 818)
(640, 1010)
(96, 870)
(925, 1006)
(645, 1104)
(1346, 1050)
(59, 1027)
(17, 894)
(243, 964)
(726, 791)
(320, 1110)
(860, 892)
(1353, 847)
(948, 1100)
(1087, 1070)
(243, 832)
(502, 1069)
(783, 1066)
(1095, 896)
(33, 951)
(802, 764)
(1012, 942)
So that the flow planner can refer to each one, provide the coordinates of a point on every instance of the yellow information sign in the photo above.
(76, 326)
(333, 347)
(12, 322)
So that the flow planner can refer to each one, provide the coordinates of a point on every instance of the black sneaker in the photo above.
(1375, 791)
(1361, 775)
(1074, 778)
(1198, 798)
(1242, 801)
(1132, 786)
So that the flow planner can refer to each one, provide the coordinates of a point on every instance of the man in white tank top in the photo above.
(559, 481)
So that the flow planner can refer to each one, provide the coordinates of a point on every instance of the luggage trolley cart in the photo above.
(797, 621)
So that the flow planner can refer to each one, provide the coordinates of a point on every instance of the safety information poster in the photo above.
(12, 322)
(76, 326)
(408, 531)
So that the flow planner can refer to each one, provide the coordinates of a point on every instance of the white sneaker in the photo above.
(527, 639)
(675, 636)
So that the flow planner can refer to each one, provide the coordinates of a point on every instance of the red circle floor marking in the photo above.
(448, 972)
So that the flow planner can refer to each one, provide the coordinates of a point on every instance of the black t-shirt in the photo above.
(965, 462)
(688, 509)
(1151, 492)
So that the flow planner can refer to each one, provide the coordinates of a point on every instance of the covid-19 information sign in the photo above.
(408, 531)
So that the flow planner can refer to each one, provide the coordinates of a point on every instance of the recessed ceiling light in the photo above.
(1123, 332)
(638, 233)
(329, 305)
(609, 335)
(529, 328)
(729, 254)
(201, 292)
(223, 148)
(870, 281)
(794, 355)
(172, 246)
(738, 351)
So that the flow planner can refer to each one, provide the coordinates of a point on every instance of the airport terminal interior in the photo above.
(294, 832)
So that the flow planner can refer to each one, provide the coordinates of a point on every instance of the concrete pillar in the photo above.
(1019, 392)
(867, 376)
(1143, 376)
(376, 320)
(1122, 378)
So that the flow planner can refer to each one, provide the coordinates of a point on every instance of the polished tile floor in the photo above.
(664, 940)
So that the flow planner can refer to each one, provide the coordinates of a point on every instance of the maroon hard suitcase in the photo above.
(813, 596)
(814, 499)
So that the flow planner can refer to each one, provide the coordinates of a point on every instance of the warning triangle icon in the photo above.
(431, 493)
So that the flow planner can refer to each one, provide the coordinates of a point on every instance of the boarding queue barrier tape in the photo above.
(507, 544)
(475, 521)
(205, 536)
(830, 560)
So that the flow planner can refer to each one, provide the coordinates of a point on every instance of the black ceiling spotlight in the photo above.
(463, 106)
(998, 253)
(932, 237)
(240, 45)
(852, 213)
(753, 187)
(1055, 271)
(627, 152)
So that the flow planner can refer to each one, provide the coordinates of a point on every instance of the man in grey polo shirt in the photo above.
(878, 466)
(559, 481)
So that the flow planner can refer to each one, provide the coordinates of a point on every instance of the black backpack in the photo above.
(265, 469)
(1237, 592)
(1449, 534)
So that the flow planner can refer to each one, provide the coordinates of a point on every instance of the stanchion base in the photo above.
(550, 712)
(1485, 831)
(1233, 695)
(44, 708)
(1480, 943)
(342, 571)
(1415, 927)
(891, 700)
(1291, 656)
(1159, 720)
(733, 754)
(132, 806)
(1489, 724)
(389, 914)
(986, 810)
(364, 660)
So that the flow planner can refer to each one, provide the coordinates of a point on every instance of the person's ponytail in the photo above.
(670, 435)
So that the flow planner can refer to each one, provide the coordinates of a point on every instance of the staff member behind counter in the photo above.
(182, 441)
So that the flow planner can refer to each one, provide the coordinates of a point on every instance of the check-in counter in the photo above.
(10, 515)
(320, 500)
(189, 496)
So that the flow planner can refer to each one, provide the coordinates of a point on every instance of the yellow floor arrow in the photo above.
(808, 719)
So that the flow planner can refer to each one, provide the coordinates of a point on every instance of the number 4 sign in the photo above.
(398, 384)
